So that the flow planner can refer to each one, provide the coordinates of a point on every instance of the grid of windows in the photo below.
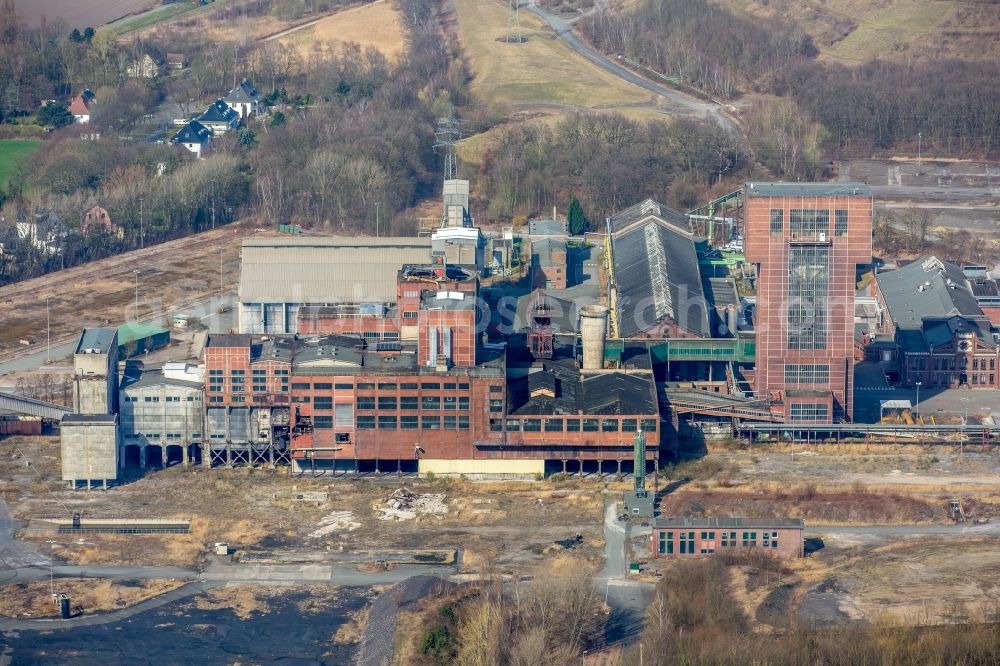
(808, 223)
(807, 411)
(840, 222)
(777, 221)
(796, 373)
(532, 425)
(808, 292)
(323, 402)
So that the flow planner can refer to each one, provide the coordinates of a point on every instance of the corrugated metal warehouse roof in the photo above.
(326, 269)
(648, 209)
(656, 272)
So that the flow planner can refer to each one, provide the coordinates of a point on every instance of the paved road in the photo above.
(678, 102)
(961, 531)
(628, 598)
(14, 554)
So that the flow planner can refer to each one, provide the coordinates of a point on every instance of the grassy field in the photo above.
(853, 31)
(542, 70)
(160, 14)
(375, 25)
(14, 152)
(80, 14)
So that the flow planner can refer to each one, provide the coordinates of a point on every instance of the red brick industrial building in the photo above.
(548, 264)
(807, 240)
(417, 387)
(678, 538)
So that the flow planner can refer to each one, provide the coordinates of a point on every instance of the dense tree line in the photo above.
(607, 161)
(954, 104)
(826, 108)
(709, 47)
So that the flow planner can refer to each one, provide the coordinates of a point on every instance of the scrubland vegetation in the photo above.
(696, 619)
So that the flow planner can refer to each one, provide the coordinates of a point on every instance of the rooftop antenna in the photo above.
(448, 133)
(514, 35)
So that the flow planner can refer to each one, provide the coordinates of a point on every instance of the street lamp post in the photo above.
(377, 234)
(142, 231)
(221, 288)
(136, 271)
(48, 331)
(920, 136)
(965, 421)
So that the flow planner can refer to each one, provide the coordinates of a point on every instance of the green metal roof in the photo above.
(137, 330)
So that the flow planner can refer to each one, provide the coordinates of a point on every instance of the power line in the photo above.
(447, 134)
(514, 35)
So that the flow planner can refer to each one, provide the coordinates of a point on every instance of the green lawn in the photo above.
(14, 152)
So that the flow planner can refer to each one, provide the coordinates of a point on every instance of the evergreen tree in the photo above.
(578, 222)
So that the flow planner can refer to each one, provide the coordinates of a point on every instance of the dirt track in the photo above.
(101, 292)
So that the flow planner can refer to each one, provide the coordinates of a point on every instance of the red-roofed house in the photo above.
(81, 106)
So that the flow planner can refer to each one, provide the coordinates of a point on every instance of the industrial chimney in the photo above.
(594, 331)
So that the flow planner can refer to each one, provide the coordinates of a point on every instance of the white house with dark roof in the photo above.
(220, 117)
(244, 99)
(195, 137)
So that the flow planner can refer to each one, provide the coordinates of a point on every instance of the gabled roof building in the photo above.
(656, 287)
(244, 99)
(942, 335)
(81, 107)
(195, 137)
(220, 117)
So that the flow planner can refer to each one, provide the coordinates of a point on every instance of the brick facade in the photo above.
(821, 238)
(672, 539)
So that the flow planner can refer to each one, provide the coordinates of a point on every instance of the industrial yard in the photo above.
(488, 333)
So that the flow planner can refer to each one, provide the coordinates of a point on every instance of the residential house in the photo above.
(195, 137)
(45, 232)
(176, 61)
(145, 66)
(98, 220)
(244, 99)
(82, 106)
(220, 117)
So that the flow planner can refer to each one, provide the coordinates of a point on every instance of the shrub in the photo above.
(436, 640)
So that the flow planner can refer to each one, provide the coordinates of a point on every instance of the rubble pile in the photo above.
(404, 504)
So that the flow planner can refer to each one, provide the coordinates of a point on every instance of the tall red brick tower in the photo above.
(807, 240)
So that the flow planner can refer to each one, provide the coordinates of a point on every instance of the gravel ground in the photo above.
(377, 644)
